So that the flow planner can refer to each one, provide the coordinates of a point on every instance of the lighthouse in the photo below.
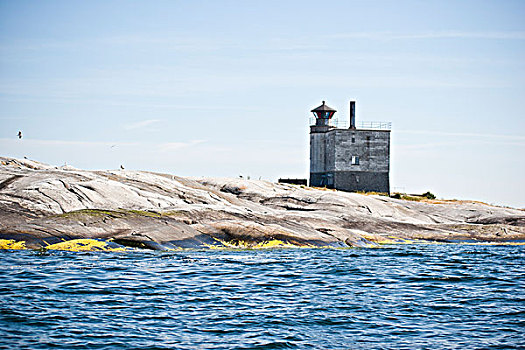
(349, 158)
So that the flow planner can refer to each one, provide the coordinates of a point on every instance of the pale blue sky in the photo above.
(224, 88)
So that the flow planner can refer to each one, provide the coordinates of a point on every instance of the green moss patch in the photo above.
(92, 212)
(111, 213)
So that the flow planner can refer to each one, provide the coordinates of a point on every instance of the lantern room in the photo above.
(323, 114)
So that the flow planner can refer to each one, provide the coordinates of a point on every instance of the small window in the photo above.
(353, 138)
(368, 141)
(355, 160)
(330, 179)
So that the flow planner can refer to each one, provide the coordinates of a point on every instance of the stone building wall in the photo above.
(317, 152)
(371, 146)
(350, 159)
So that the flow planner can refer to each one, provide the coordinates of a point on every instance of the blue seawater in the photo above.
(397, 297)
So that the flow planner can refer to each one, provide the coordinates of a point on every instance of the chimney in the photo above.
(352, 114)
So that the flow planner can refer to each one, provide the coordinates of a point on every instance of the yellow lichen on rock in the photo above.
(220, 244)
(83, 245)
(380, 239)
(491, 243)
(275, 243)
(272, 243)
(12, 244)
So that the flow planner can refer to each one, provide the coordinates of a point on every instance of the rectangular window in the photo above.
(330, 179)
(353, 138)
(355, 160)
(368, 141)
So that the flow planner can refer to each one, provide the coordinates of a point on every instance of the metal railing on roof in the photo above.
(374, 125)
(345, 124)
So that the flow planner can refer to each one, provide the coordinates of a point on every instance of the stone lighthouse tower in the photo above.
(349, 158)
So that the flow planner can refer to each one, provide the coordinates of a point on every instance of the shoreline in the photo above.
(43, 206)
(95, 245)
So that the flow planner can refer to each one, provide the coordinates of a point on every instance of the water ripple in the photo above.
(427, 296)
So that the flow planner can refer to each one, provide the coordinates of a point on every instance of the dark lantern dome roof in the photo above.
(323, 108)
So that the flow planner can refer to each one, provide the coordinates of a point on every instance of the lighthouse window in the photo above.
(330, 179)
(355, 160)
(353, 138)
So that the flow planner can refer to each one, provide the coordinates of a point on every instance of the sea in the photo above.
(435, 296)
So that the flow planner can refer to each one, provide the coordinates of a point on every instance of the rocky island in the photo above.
(43, 206)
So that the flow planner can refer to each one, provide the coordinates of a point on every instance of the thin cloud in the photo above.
(170, 42)
(174, 146)
(424, 146)
(461, 134)
(513, 35)
(467, 139)
(168, 146)
(141, 124)
(37, 142)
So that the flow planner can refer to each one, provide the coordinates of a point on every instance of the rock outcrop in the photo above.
(42, 205)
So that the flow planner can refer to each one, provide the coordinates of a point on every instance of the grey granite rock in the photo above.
(42, 204)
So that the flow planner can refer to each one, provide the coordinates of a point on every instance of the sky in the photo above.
(225, 88)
